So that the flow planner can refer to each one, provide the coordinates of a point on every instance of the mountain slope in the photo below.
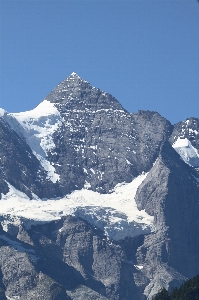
(130, 181)
(82, 134)
(172, 198)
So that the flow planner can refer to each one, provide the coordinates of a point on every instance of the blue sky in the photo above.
(143, 52)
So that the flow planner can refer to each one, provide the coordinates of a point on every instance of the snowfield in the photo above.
(38, 126)
(116, 213)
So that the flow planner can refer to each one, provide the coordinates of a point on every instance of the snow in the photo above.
(116, 213)
(73, 74)
(38, 126)
(2, 112)
(52, 175)
(128, 162)
(85, 171)
(187, 152)
(138, 267)
(181, 142)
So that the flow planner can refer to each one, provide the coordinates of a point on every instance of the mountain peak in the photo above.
(73, 74)
(80, 93)
(74, 77)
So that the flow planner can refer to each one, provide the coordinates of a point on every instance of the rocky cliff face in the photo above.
(63, 259)
(134, 199)
(170, 192)
(108, 144)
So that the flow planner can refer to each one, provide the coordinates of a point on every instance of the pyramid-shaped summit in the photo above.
(66, 88)
(73, 77)
(78, 92)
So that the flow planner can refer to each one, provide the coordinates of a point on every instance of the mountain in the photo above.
(96, 202)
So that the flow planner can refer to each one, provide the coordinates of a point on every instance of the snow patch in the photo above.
(187, 152)
(2, 112)
(138, 267)
(128, 162)
(87, 185)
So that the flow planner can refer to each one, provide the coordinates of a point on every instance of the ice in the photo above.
(116, 213)
(38, 126)
(187, 152)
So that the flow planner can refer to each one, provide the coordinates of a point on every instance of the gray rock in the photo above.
(170, 194)
(102, 263)
(83, 292)
(100, 142)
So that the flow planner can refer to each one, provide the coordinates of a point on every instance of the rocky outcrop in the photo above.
(22, 279)
(101, 262)
(170, 194)
(64, 260)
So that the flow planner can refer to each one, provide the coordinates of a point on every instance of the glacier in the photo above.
(116, 214)
(38, 126)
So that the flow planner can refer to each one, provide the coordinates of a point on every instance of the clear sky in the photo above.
(143, 52)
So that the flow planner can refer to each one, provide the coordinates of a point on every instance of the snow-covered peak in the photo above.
(188, 153)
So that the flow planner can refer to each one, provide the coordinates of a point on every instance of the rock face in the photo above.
(65, 259)
(170, 193)
(79, 139)
(99, 142)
